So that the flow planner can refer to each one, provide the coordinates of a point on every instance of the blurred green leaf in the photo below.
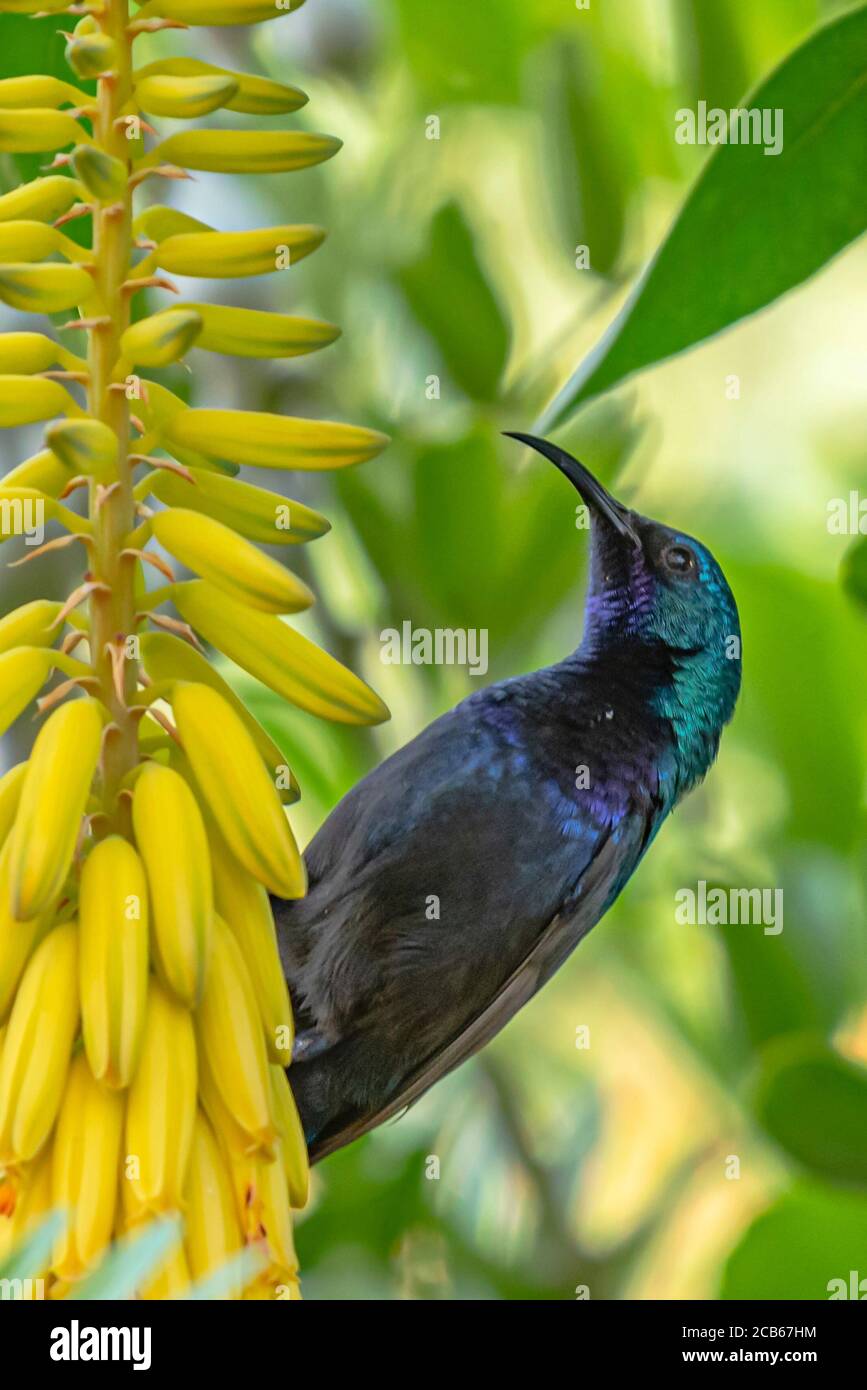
(480, 533)
(376, 1195)
(462, 53)
(794, 1249)
(795, 626)
(754, 226)
(31, 1255)
(813, 1102)
(582, 156)
(241, 1269)
(451, 539)
(806, 977)
(451, 297)
(129, 1263)
(772, 990)
(855, 572)
(715, 51)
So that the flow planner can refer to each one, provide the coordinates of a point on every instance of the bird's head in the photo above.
(657, 588)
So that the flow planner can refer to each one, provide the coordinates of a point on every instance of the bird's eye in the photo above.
(679, 559)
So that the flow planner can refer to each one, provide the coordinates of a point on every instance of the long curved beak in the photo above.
(588, 488)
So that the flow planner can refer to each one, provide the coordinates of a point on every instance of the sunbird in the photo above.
(519, 815)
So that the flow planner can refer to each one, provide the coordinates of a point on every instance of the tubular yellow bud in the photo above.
(90, 55)
(37, 128)
(44, 289)
(32, 6)
(254, 512)
(244, 151)
(230, 562)
(184, 97)
(31, 625)
(243, 903)
(273, 441)
(218, 12)
(36, 1051)
(258, 333)
(102, 175)
(278, 656)
(23, 672)
(213, 1233)
(235, 1142)
(293, 1147)
(85, 446)
(236, 788)
(17, 939)
(10, 794)
(161, 1108)
(168, 658)
(162, 339)
(172, 842)
(44, 199)
(20, 509)
(33, 1202)
(53, 799)
(29, 240)
(113, 926)
(226, 255)
(230, 1034)
(26, 399)
(39, 91)
(269, 1215)
(243, 1162)
(26, 352)
(43, 473)
(158, 223)
(257, 96)
(84, 1169)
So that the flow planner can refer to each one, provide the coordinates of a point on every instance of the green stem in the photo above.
(113, 515)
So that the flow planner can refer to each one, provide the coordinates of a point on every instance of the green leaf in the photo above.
(798, 1246)
(813, 1102)
(754, 225)
(130, 1262)
(452, 299)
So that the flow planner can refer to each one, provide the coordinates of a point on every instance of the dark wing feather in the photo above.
(596, 889)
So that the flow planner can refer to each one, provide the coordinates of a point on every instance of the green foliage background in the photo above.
(712, 1140)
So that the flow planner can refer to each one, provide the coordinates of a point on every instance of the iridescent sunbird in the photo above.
(521, 813)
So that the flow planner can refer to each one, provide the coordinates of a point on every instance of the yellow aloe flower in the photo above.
(144, 1020)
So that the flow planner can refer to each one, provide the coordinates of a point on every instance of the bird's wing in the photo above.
(596, 889)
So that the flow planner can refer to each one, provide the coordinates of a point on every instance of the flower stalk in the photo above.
(112, 510)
